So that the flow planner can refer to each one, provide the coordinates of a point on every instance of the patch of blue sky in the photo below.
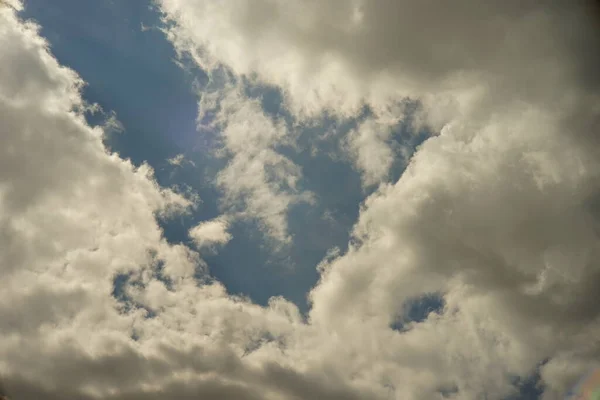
(529, 387)
(418, 310)
(131, 71)
(130, 68)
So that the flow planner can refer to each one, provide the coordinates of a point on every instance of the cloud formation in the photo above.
(336, 55)
(209, 233)
(497, 212)
(259, 182)
(96, 304)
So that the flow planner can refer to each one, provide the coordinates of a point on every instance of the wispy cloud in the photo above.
(259, 182)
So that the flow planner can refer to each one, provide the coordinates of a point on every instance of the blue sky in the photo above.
(132, 72)
(129, 67)
(395, 222)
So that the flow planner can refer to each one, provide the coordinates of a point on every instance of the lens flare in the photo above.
(588, 387)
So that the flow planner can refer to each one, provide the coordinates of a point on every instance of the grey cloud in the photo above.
(318, 54)
(217, 375)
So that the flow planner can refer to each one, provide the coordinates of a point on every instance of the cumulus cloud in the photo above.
(339, 54)
(497, 212)
(209, 233)
(11, 3)
(96, 304)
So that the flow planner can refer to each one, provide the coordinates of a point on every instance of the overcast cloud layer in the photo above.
(497, 211)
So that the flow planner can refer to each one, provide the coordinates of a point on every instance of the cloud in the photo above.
(370, 149)
(96, 304)
(325, 57)
(12, 3)
(259, 182)
(370, 144)
(208, 233)
(74, 220)
(497, 211)
(177, 160)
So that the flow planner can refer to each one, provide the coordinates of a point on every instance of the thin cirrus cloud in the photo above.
(496, 212)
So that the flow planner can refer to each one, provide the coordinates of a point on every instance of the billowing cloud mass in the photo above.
(95, 304)
(497, 212)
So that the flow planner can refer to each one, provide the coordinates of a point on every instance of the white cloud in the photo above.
(177, 160)
(11, 3)
(500, 221)
(259, 182)
(180, 160)
(72, 218)
(498, 213)
(75, 218)
(370, 144)
(213, 232)
(323, 58)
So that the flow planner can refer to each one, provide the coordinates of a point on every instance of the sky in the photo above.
(290, 200)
